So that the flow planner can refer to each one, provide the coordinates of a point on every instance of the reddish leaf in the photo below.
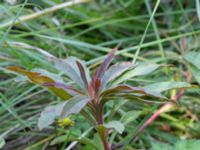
(115, 71)
(22, 71)
(127, 88)
(91, 91)
(37, 78)
(123, 88)
(82, 73)
(97, 85)
(70, 68)
(102, 69)
(65, 87)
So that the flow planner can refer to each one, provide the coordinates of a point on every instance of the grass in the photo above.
(145, 31)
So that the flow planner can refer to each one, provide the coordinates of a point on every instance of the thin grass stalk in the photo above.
(42, 12)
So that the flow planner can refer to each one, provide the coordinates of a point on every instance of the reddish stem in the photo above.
(100, 121)
(105, 140)
(163, 108)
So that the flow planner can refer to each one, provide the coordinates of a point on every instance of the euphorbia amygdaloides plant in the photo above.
(86, 91)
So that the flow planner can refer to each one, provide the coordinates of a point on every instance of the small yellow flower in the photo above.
(65, 122)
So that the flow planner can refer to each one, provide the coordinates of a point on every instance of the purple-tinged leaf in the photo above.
(149, 99)
(67, 88)
(122, 88)
(94, 86)
(128, 89)
(97, 85)
(103, 67)
(114, 71)
(38, 78)
(138, 99)
(91, 90)
(82, 73)
(70, 68)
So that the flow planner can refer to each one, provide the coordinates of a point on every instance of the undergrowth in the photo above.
(161, 37)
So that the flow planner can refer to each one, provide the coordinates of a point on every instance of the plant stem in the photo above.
(103, 133)
(105, 140)
(162, 109)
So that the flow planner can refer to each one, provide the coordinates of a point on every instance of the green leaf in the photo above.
(198, 9)
(187, 145)
(98, 142)
(161, 146)
(74, 106)
(61, 110)
(66, 138)
(164, 86)
(2, 142)
(193, 58)
(117, 125)
(141, 69)
(130, 116)
(195, 73)
(179, 145)
(49, 115)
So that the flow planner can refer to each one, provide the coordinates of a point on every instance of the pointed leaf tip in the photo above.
(117, 125)
(61, 110)
(82, 74)
(38, 78)
(103, 67)
(115, 71)
(67, 88)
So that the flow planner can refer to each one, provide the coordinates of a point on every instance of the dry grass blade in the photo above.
(42, 12)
